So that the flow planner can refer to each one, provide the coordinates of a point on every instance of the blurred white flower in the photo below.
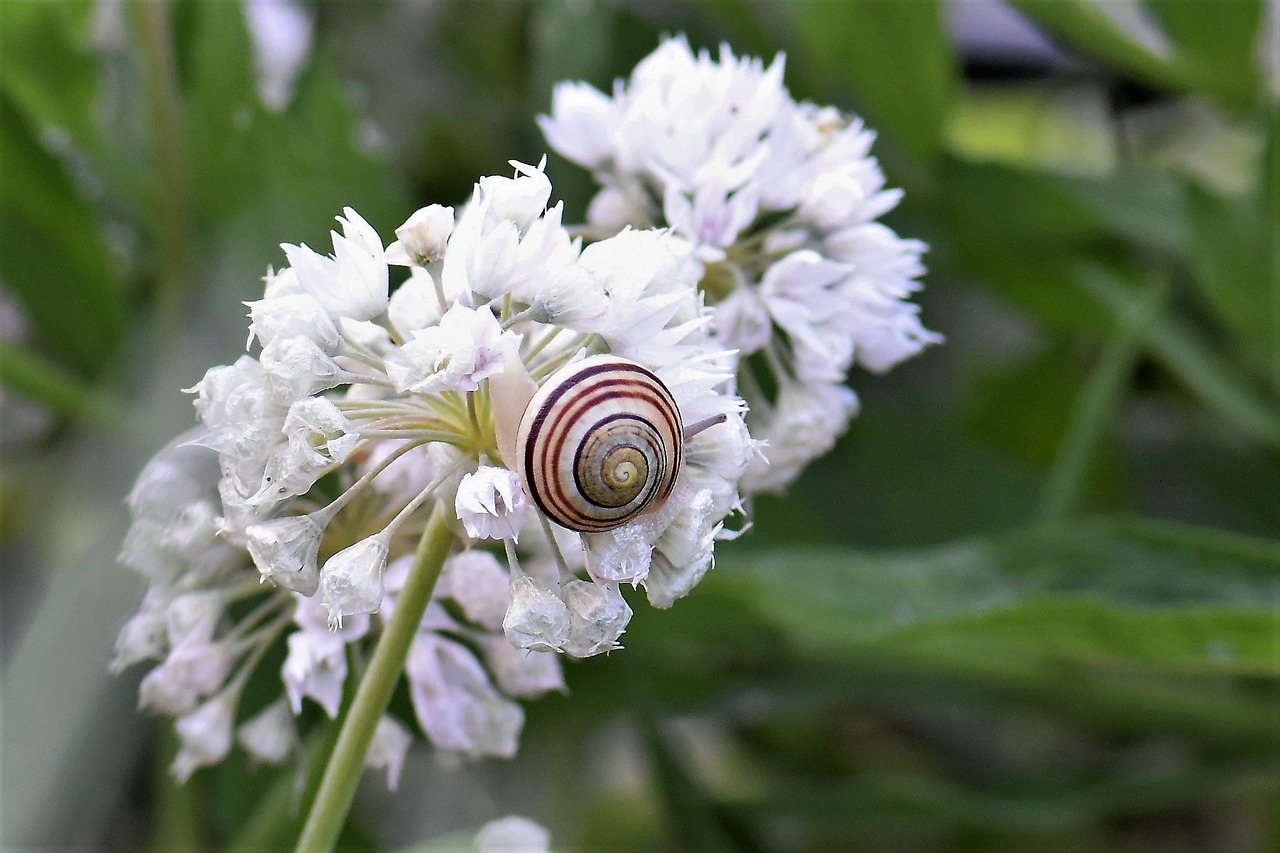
(281, 31)
(513, 834)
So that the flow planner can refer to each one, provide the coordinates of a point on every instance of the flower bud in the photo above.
(285, 552)
(537, 618)
(598, 615)
(351, 579)
(424, 235)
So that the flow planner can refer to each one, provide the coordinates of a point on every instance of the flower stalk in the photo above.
(342, 774)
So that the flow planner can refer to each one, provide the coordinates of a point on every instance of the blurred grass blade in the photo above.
(1096, 406)
(52, 252)
(1180, 350)
(894, 57)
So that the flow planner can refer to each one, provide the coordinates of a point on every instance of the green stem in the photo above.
(1095, 407)
(342, 774)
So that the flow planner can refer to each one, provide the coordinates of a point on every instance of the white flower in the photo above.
(462, 350)
(415, 305)
(269, 736)
(188, 674)
(292, 315)
(318, 436)
(581, 124)
(316, 665)
(803, 424)
(353, 283)
(778, 201)
(520, 672)
(479, 584)
(742, 322)
(281, 35)
(804, 296)
(513, 834)
(361, 416)
(193, 617)
(141, 638)
(205, 734)
(621, 555)
(683, 553)
(491, 503)
(499, 246)
(455, 703)
(296, 367)
(387, 751)
(537, 618)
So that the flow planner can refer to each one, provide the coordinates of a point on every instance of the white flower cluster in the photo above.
(780, 200)
(320, 458)
(388, 385)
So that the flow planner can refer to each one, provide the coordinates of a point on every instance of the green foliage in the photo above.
(1029, 602)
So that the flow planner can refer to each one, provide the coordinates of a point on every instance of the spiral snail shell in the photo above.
(600, 441)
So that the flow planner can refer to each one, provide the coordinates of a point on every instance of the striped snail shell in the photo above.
(600, 441)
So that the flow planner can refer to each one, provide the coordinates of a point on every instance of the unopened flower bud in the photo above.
(537, 618)
(285, 551)
(598, 615)
(425, 234)
(352, 579)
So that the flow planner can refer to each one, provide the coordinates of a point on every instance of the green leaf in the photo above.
(1096, 408)
(52, 253)
(271, 177)
(893, 56)
(1136, 594)
(1085, 25)
(49, 70)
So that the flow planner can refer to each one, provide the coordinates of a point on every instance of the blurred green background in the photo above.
(1032, 599)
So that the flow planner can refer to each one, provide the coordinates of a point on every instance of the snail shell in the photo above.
(600, 441)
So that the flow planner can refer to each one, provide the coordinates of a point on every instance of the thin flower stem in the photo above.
(537, 348)
(419, 499)
(329, 811)
(335, 506)
(565, 572)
